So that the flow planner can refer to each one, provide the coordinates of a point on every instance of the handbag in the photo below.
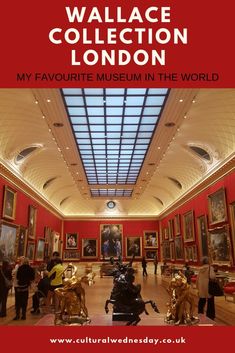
(214, 288)
(8, 282)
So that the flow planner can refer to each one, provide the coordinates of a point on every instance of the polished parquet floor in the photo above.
(153, 287)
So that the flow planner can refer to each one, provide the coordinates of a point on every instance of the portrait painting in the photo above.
(177, 228)
(89, 248)
(71, 255)
(71, 241)
(150, 239)
(8, 241)
(133, 247)
(22, 241)
(111, 240)
(217, 207)
(150, 254)
(188, 227)
(179, 255)
(220, 250)
(9, 203)
(202, 236)
(32, 222)
(40, 249)
(30, 250)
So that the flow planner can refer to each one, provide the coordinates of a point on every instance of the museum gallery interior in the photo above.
(151, 168)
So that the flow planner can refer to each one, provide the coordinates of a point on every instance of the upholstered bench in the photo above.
(229, 290)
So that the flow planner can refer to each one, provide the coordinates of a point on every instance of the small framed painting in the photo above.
(32, 222)
(71, 241)
(9, 203)
(40, 249)
(30, 250)
(133, 247)
(71, 255)
(188, 227)
(89, 248)
(150, 239)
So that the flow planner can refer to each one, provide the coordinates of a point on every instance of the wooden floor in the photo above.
(153, 287)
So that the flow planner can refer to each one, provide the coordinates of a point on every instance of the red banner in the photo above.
(140, 43)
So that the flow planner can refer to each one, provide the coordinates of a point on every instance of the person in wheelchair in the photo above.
(41, 292)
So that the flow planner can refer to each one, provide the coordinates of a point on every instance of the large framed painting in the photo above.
(188, 227)
(30, 250)
(179, 255)
(150, 254)
(232, 217)
(172, 251)
(71, 255)
(171, 229)
(8, 241)
(133, 247)
(202, 236)
(56, 242)
(89, 248)
(166, 251)
(188, 253)
(32, 222)
(9, 203)
(177, 228)
(217, 207)
(71, 241)
(22, 241)
(219, 245)
(39, 256)
(150, 239)
(111, 240)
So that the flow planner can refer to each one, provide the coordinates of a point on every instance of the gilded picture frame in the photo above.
(217, 207)
(71, 241)
(8, 241)
(111, 240)
(22, 241)
(150, 254)
(32, 222)
(30, 253)
(188, 226)
(89, 248)
(150, 239)
(219, 246)
(71, 255)
(179, 255)
(39, 256)
(9, 203)
(171, 229)
(133, 247)
(202, 236)
(166, 254)
(177, 226)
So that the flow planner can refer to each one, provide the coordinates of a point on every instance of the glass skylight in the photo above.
(113, 128)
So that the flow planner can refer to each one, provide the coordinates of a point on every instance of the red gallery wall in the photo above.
(44, 217)
(199, 205)
(91, 229)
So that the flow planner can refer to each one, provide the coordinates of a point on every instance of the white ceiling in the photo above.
(202, 117)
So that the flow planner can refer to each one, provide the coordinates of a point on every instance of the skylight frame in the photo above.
(107, 144)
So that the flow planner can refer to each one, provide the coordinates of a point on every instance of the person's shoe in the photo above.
(23, 317)
(38, 311)
(33, 311)
(16, 318)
